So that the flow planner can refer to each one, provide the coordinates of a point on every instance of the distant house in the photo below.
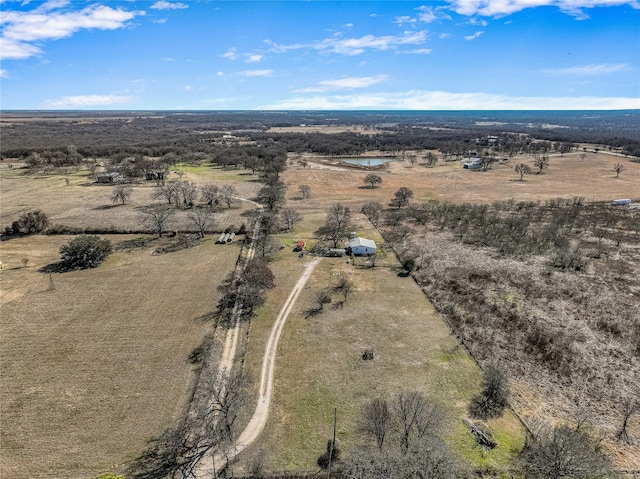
(109, 178)
(621, 202)
(474, 163)
(361, 247)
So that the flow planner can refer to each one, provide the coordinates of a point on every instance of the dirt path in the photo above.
(209, 465)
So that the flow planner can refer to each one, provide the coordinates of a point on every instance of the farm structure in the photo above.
(361, 247)
(621, 202)
(472, 164)
(110, 178)
(225, 238)
(300, 246)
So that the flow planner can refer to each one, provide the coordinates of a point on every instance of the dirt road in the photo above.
(209, 464)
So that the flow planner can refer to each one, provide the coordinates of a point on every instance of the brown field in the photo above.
(319, 364)
(86, 204)
(95, 367)
(566, 176)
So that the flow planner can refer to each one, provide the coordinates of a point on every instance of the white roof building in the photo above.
(361, 246)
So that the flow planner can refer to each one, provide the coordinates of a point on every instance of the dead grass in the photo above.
(97, 366)
(566, 176)
(85, 204)
(319, 363)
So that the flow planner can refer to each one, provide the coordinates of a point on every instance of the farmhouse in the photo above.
(361, 247)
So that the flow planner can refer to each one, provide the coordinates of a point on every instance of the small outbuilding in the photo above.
(621, 202)
(300, 246)
(361, 247)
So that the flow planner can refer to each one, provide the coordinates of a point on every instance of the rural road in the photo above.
(210, 464)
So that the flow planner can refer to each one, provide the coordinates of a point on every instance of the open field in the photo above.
(566, 176)
(86, 204)
(319, 364)
(95, 367)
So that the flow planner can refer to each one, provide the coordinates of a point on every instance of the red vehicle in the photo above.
(300, 246)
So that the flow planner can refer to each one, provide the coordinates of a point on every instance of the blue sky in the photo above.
(243, 55)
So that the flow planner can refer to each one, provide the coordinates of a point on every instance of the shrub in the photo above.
(29, 223)
(494, 396)
(84, 251)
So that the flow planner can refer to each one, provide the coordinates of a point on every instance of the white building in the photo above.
(361, 247)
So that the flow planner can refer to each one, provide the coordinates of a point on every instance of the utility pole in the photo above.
(333, 441)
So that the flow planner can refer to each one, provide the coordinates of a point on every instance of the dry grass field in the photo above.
(566, 177)
(319, 364)
(86, 204)
(95, 367)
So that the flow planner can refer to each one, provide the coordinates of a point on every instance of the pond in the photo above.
(366, 161)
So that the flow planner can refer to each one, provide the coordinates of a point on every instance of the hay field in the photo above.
(566, 176)
(86, 204)
(95, 367)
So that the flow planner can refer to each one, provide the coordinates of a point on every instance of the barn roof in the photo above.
(361, 242)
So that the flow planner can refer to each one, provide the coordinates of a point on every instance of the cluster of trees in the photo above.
(32, 222)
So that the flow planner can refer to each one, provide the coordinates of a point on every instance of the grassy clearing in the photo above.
(319, 364)
(97, 366)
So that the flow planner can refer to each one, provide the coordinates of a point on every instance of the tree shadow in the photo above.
(311, 312)
(106, 207)
(58, 267)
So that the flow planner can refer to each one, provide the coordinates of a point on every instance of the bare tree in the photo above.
(541, 162)
(210, 195)
(228, 194)
(372, 180)
(376, 420)
(188, 191)
(373, 211)
(618, 168)
(337, 224)
(563, 453)
(202, 220)
(432, 159)
(168, 192)
(523, 169)
(305, 191)
(412, 159)
(121, 193)
(157, 218)
(416, 417)
(402, 197)
(290, 217)
(630, 406)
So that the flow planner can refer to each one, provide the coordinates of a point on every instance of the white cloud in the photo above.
(590, 70)
(440, 100)
(474, 36)
(164, 5)
(497, 8)
(23, 31)
(219, 74)
(404, 20)
(82, 101)
(254, 58)
(421, 51)
(231, 54)
(3, 74)
(343, 84)
(256, 73)
(188, 88)
(354, 46)
(429, 14)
